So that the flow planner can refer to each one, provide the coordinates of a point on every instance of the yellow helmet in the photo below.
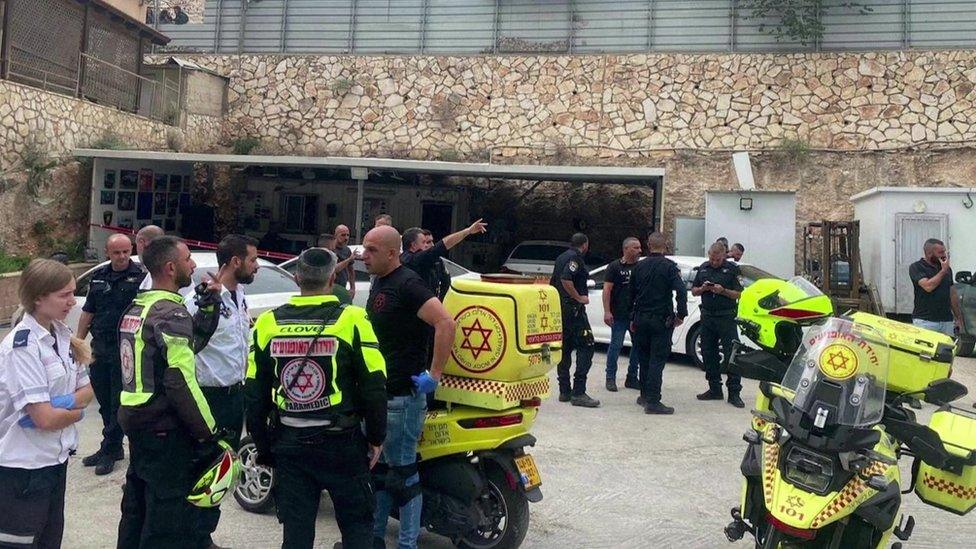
(218, 479)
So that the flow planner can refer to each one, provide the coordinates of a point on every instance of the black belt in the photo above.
(230, 389)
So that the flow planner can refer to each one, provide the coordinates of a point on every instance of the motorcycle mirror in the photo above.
(964, 277)
(944, 391)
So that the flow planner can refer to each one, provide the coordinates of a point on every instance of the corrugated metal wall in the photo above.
(563, 26)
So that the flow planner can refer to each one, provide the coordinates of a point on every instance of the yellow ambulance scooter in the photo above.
(832, 421)
(476, 477)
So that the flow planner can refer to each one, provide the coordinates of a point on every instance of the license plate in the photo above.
(528, 472)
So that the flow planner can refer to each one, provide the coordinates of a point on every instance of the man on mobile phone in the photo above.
(936, 300)
(718, 285)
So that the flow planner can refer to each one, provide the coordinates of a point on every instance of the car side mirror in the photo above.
(964, 277)
(944, 391)
(590, 284)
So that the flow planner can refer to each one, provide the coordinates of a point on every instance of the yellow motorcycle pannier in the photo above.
(952, 490)
(508, 338)
(916, 356)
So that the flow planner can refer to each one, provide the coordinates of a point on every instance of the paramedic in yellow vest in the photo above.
(316, 405)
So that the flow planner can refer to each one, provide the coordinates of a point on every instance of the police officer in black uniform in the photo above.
(717, 282)
(569, 277)
(110, 292)
(655, 284)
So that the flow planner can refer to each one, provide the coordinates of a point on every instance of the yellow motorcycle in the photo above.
(821, 467)
(476, 477)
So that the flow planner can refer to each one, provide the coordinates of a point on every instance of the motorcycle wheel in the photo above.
(507, 516)
(253, 492)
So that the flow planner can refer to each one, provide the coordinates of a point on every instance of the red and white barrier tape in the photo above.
(195, 243)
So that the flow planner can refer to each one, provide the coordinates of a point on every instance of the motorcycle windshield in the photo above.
(839, 374)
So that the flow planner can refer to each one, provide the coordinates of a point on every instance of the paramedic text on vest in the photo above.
(316, 405)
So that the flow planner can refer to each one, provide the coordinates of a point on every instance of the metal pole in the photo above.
(217, 27)
(284, 25)
(650, 24)
(241, 28)
(423, 26)
(733, 14)
(572, 26)
(352, 27)
(4, 40)
(495, 25)
(906, 27)
(83, 49)
(359, 210)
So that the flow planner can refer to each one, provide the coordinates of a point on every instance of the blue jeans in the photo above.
(405, 421)
(617, 333)
(946, 327)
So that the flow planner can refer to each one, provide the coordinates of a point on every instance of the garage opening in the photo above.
(530, 209)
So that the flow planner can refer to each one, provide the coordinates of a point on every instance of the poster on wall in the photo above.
(159, 204)
(125, 221)
(107, 198)
(172, 202)
(160, 183)
(145, 180)
(108, 182)
(128, 179)
(127, 201)
(144, 206)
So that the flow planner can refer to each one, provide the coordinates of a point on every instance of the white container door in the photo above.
(689, 236)
(911, 232)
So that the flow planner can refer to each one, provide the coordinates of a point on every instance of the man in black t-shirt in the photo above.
(616, 312)
(345, 273)
(569, 277)
(422, 259)
(402, 309)
(936, 300)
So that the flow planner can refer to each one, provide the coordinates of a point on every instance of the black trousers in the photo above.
(719, 331)
(577, 336)
(155, 512)
(32, 506)
(310, 460)
(227, 408)
(106, 379)
(653, 345)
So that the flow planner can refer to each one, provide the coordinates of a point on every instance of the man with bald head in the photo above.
(143, 238)
(110, 292)
(345, 275)
(403, 310)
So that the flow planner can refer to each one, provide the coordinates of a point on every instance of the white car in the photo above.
(272, 287)
(534, 257)
(363, 276)
(685, 340)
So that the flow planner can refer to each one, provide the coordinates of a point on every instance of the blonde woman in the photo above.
(44, 389)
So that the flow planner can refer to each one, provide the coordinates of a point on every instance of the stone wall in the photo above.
(602, 105)
(57, 212)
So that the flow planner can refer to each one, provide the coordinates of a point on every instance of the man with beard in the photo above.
(221, 360)
(345, 275)
(421, 258)
(163, 410)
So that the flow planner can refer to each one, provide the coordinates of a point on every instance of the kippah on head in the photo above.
(317, 257)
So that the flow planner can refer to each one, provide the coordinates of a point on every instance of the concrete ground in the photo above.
(612, 477)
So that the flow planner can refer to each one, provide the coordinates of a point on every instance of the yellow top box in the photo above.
(505, 331)
(917, 356)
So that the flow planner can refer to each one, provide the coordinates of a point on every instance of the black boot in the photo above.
(711, 394)
(585, 401)
(105, 465)
(736, 401)
(92, 460)
(631, 383)
(565, 397)
(612, 385)
(656, 408)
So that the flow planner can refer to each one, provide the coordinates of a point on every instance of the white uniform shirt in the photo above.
(223, 362)
(32, 371)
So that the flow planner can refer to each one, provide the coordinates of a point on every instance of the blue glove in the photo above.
(425, 383)
(65, 402)
(26, 422)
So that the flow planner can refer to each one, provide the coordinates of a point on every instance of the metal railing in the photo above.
(570, 26)
(101, 82)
